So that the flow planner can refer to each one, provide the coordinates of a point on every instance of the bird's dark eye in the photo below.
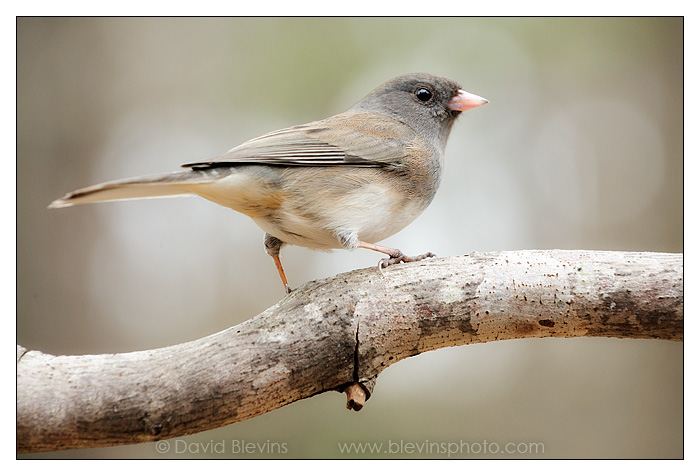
(423, 94)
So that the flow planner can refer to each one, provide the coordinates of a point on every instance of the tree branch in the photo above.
(339, 334)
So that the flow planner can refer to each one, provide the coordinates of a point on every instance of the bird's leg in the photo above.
(272, 247)
(395, 256)
(283, 277)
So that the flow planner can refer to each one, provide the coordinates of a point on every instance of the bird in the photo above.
(344, 182)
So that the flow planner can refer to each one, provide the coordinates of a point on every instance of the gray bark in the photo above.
(339, 334)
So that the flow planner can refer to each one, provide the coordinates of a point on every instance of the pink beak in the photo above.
(464, 101)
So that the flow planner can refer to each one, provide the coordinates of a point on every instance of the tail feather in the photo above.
(163, 185)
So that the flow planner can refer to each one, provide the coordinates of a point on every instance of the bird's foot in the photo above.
(399, 257)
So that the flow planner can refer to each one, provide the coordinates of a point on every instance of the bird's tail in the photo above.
(163, 185)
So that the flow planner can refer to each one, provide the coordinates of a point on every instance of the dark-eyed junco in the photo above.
(348, 181)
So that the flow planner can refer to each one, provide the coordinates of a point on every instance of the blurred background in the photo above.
(581, 147)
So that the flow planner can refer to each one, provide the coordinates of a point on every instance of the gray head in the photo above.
(427, 103)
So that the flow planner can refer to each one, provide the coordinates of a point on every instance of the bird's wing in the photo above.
(352, 138)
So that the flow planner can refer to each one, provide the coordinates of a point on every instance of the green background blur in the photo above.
(581, 147)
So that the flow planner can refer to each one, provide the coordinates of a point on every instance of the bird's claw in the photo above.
(400, 257)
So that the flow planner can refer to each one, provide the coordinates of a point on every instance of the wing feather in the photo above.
(352, 138)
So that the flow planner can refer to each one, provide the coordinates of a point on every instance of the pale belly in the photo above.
(304, 208)
(370, 213)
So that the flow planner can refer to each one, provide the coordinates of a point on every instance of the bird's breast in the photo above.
(365, 204)
(314, 206)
